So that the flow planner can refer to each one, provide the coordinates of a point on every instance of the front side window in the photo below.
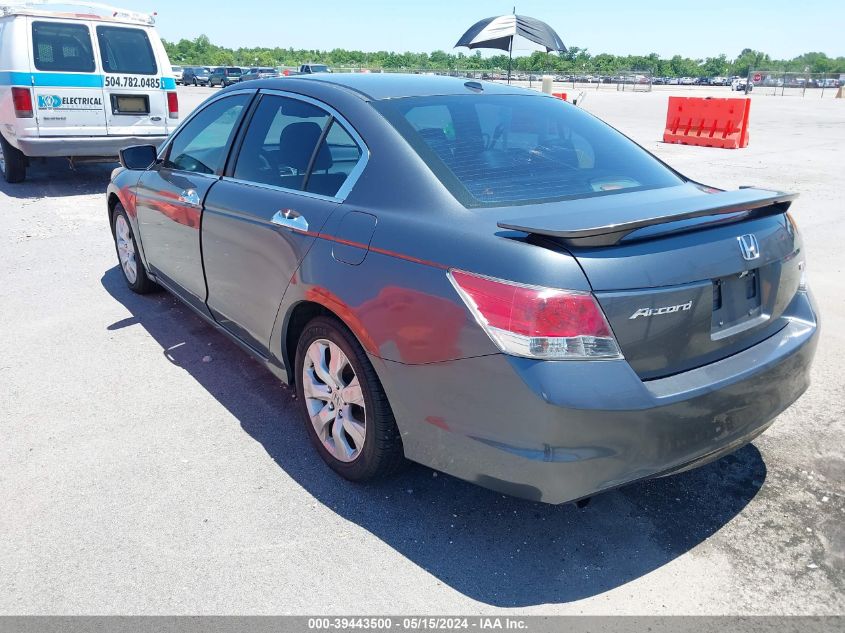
(126, 51)
(201, 145)
(494, 150)
(59, 46)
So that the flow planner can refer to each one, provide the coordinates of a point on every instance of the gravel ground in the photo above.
(147, 466)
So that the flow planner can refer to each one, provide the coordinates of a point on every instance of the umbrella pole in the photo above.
(510, 60)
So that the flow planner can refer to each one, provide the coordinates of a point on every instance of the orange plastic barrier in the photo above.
(708, 122)
(559, 95)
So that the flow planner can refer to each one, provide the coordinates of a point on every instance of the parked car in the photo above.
(225, 76)
(260, 73)
(176, 72)
(62, 96)
(310, 69)
(196, 76)
(522, 312)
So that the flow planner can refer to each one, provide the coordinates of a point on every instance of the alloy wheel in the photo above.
(125, 249)
(334, 400)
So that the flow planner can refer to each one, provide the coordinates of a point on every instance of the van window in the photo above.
(126, 51)
(62, 47)
(201, 145)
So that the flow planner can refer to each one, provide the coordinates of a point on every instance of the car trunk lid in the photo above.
(685, 277)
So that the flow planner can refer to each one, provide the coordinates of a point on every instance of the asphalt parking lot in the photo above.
(148, 466)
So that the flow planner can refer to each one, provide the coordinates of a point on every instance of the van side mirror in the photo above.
(138, 157)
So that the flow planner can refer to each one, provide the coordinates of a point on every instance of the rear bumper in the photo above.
(105, 146)
(559, 431)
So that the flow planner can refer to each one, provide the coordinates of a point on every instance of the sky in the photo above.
(783, 29)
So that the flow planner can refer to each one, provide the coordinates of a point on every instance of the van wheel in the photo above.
(12, 162)
(346, 413)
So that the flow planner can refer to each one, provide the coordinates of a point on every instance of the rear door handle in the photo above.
(290, 219)
(189, 196)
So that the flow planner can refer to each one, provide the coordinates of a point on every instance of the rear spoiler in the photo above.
(609, 223)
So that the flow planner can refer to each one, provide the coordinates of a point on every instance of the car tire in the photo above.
(324, 341)
(12, 162)
(127, 254)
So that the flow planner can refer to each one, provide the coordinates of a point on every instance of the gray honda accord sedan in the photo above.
(479, 278)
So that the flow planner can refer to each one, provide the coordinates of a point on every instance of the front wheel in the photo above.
(346, 412)
(127, 254)
(12, 162)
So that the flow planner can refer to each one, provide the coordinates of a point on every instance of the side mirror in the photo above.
(138, 157)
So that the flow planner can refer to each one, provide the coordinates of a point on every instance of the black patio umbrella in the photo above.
(499, 32)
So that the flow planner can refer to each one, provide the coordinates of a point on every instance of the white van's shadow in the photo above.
(54, 178)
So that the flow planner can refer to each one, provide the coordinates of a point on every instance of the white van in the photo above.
(80, 85)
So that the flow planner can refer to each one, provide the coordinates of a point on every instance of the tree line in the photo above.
(201, 51)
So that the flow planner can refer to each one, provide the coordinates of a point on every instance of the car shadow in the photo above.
(498, 550)
(54, 178)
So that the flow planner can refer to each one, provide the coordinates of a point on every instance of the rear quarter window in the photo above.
(62, 47)
(126, 51)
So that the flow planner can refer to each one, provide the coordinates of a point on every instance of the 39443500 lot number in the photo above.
(132, 82)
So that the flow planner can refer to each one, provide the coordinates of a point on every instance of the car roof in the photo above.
(378, 86)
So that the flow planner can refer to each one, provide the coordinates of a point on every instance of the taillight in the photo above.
(22, 100)
(172, 105)
(537, 322)
(802, 265)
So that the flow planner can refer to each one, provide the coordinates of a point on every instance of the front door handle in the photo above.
(190, 197)
(290, 219)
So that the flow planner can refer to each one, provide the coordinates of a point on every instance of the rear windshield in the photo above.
(62, 47)
(126, 51)
(234, 71)
(494, 150)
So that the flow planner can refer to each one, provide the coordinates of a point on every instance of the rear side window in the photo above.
(62, 47)
(201, 145)
(280, 142)
(296, 145)
(335, 160)
(494, 150)
(126, 51)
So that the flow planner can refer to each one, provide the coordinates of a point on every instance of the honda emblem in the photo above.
(749, 247)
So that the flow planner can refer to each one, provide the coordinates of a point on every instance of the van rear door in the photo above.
(67, 89)
(135, 82)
